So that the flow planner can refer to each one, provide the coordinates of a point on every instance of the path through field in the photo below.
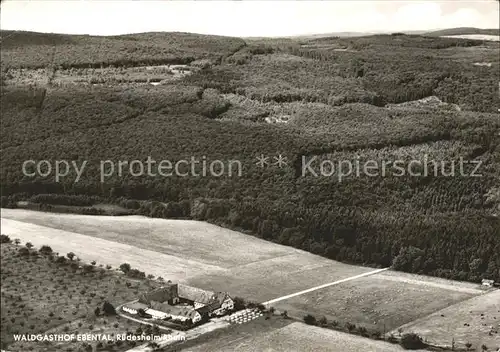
(324, 286)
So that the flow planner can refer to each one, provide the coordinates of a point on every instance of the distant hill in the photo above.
(34, 50)
(464, 31)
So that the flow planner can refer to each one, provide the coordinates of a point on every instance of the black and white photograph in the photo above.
(250, 176)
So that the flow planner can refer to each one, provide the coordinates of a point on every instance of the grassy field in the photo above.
(382, 301)
(255, 337)
(105, 251)
(476, 320)
(195, 252)
(39, 295)
(211, 257)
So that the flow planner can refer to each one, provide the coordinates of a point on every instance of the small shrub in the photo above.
(310, 319)
(46, 250)
(412, 341)
(323, 321)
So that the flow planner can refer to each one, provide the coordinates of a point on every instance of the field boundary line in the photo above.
(439, 312)
(312, 289)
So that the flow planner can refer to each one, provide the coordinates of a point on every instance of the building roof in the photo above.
(204, 310)
(154, 311)
(184, 311)
(195, 294)
(209, 307)
(136, 306)
(221, 297)
(161, 294)
(169, 291)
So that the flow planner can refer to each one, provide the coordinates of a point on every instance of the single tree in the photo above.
(323, 321)
(46, 250)
(108, 308)
(61, 260)
(17, 241)
(350, 327)
(310, 319)
(125, 267)
(468, 345)
(412, 341)
(29, 245)
(239, 303)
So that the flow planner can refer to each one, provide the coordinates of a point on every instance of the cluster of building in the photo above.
(182, 303)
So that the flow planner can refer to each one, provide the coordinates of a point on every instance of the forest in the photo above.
(343, 99)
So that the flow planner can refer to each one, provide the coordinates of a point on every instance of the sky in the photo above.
(244, 17)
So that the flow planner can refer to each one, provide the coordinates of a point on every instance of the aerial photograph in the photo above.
(250, 175)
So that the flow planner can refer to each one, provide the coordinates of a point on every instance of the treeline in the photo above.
(461, 246)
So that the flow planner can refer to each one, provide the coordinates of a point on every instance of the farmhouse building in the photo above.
(156, 314)
(178, 312)
(133, 308)
(181, 302)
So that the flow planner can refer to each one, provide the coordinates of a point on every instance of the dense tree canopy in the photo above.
(333, 93)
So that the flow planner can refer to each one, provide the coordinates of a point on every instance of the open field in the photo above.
(481, 314)
(194, 252)
(180, 238)
(104, 251)
(381, 301)
(243, 265)
(39, 295)
(293, 337)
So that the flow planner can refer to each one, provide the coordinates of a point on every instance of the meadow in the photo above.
(475, 321)
(211, 257)
(292, 337)
(380, 302)
(194, 252)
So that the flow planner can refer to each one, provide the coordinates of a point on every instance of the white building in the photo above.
(133, 308)
(156, 314)
(488, 283)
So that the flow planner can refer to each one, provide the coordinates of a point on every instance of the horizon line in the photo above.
(372, 32)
